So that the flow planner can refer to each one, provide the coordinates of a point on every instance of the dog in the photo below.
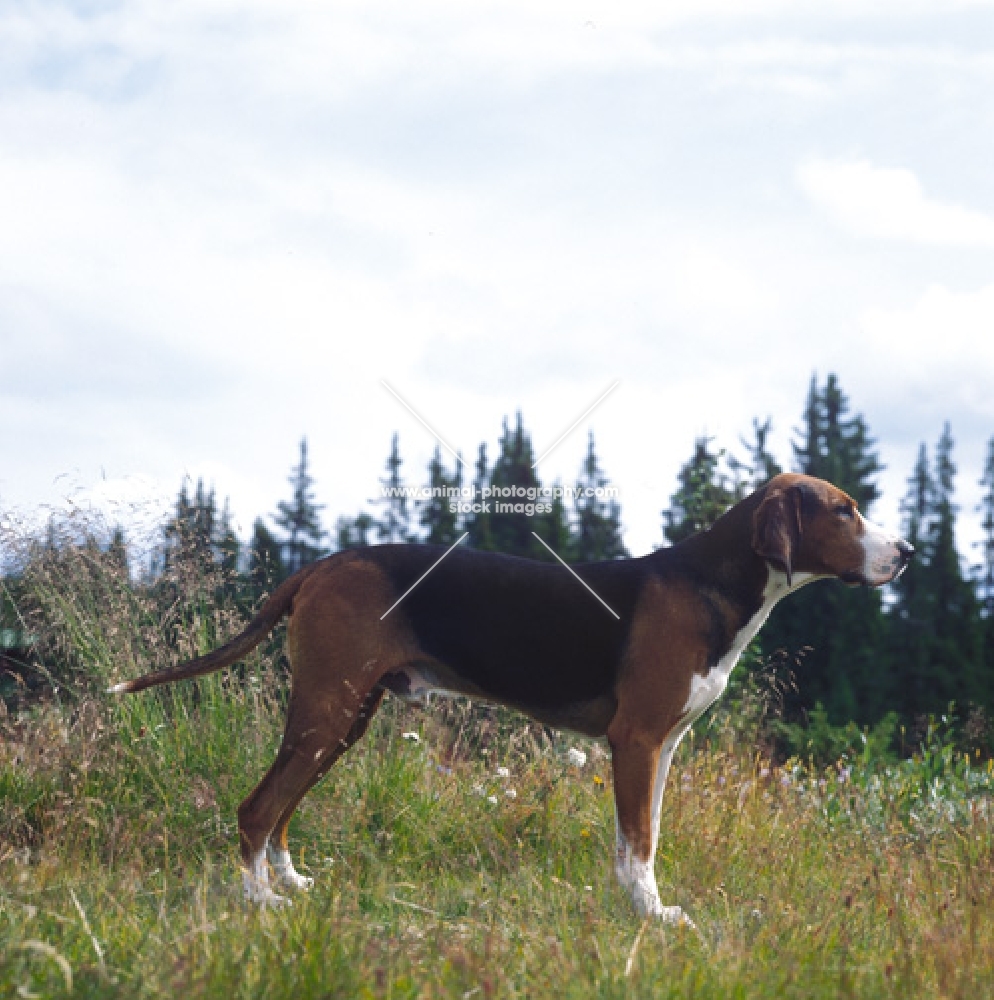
(411, 619)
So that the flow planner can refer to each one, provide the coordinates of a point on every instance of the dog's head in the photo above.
(805, 525)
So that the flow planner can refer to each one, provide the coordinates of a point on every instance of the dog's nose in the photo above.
(906, 549)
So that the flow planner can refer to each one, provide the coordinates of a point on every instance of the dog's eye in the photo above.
(844, 510)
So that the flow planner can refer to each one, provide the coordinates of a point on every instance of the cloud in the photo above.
(890, 203)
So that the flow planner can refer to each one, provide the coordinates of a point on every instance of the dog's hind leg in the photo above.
(314, 731)
(279, 855)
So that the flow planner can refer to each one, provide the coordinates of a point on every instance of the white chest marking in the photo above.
(705, 690)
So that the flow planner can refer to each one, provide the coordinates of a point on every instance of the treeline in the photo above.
(915, 647)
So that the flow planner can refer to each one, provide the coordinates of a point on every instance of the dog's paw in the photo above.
(674, 916)
(257, 891)
(290, 879)
(285, 875)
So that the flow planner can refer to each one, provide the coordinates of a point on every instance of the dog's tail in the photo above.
(278, 604)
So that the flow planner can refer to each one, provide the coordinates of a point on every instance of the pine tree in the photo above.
(300, 518)
(437, 518)
(704, 494)
(955, 666)
(395, 524)
(512, 532)
(836, 446)
(597, 522)
(910, 617)
(480, 524)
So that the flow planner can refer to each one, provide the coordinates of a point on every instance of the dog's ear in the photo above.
(776, 528)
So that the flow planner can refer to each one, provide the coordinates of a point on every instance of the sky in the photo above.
(224, 225)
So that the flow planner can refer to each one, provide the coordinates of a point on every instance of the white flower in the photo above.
(503, 772)
(492, 799)
(479, 790)
(411, 737)
(577, 757)
(511, 793)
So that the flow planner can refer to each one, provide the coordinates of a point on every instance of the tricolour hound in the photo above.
(527, 634)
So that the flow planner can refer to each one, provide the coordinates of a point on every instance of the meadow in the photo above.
(457, 851)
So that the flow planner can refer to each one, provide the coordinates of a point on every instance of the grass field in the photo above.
(435, 875)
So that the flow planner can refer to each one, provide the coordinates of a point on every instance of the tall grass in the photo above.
(435, 875)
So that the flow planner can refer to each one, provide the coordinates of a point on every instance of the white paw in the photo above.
(289, 879)
(257, 891)
(283, 871)
(674, 916)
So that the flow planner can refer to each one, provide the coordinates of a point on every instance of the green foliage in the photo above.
(822, 743)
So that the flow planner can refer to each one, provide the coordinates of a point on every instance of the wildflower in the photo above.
(510, 793)
(503, 772)
(764, 772)
(584, 832)
(492, 799)
(479, 790)
(577, 757)
(410, 737)
(598, 781)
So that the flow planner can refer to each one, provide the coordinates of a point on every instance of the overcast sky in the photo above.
(223, 224)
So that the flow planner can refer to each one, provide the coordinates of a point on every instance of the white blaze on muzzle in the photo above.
(883, 557)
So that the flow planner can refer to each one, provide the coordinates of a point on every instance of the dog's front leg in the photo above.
(640, 770)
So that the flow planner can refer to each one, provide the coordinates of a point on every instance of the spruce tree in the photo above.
(910, 617)
(437, 518)
(395, 524)
(837, 446)
(300, 518)
(704, 494)
(597, 521)
(955, 667)
(512, 532)
(480, 524)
